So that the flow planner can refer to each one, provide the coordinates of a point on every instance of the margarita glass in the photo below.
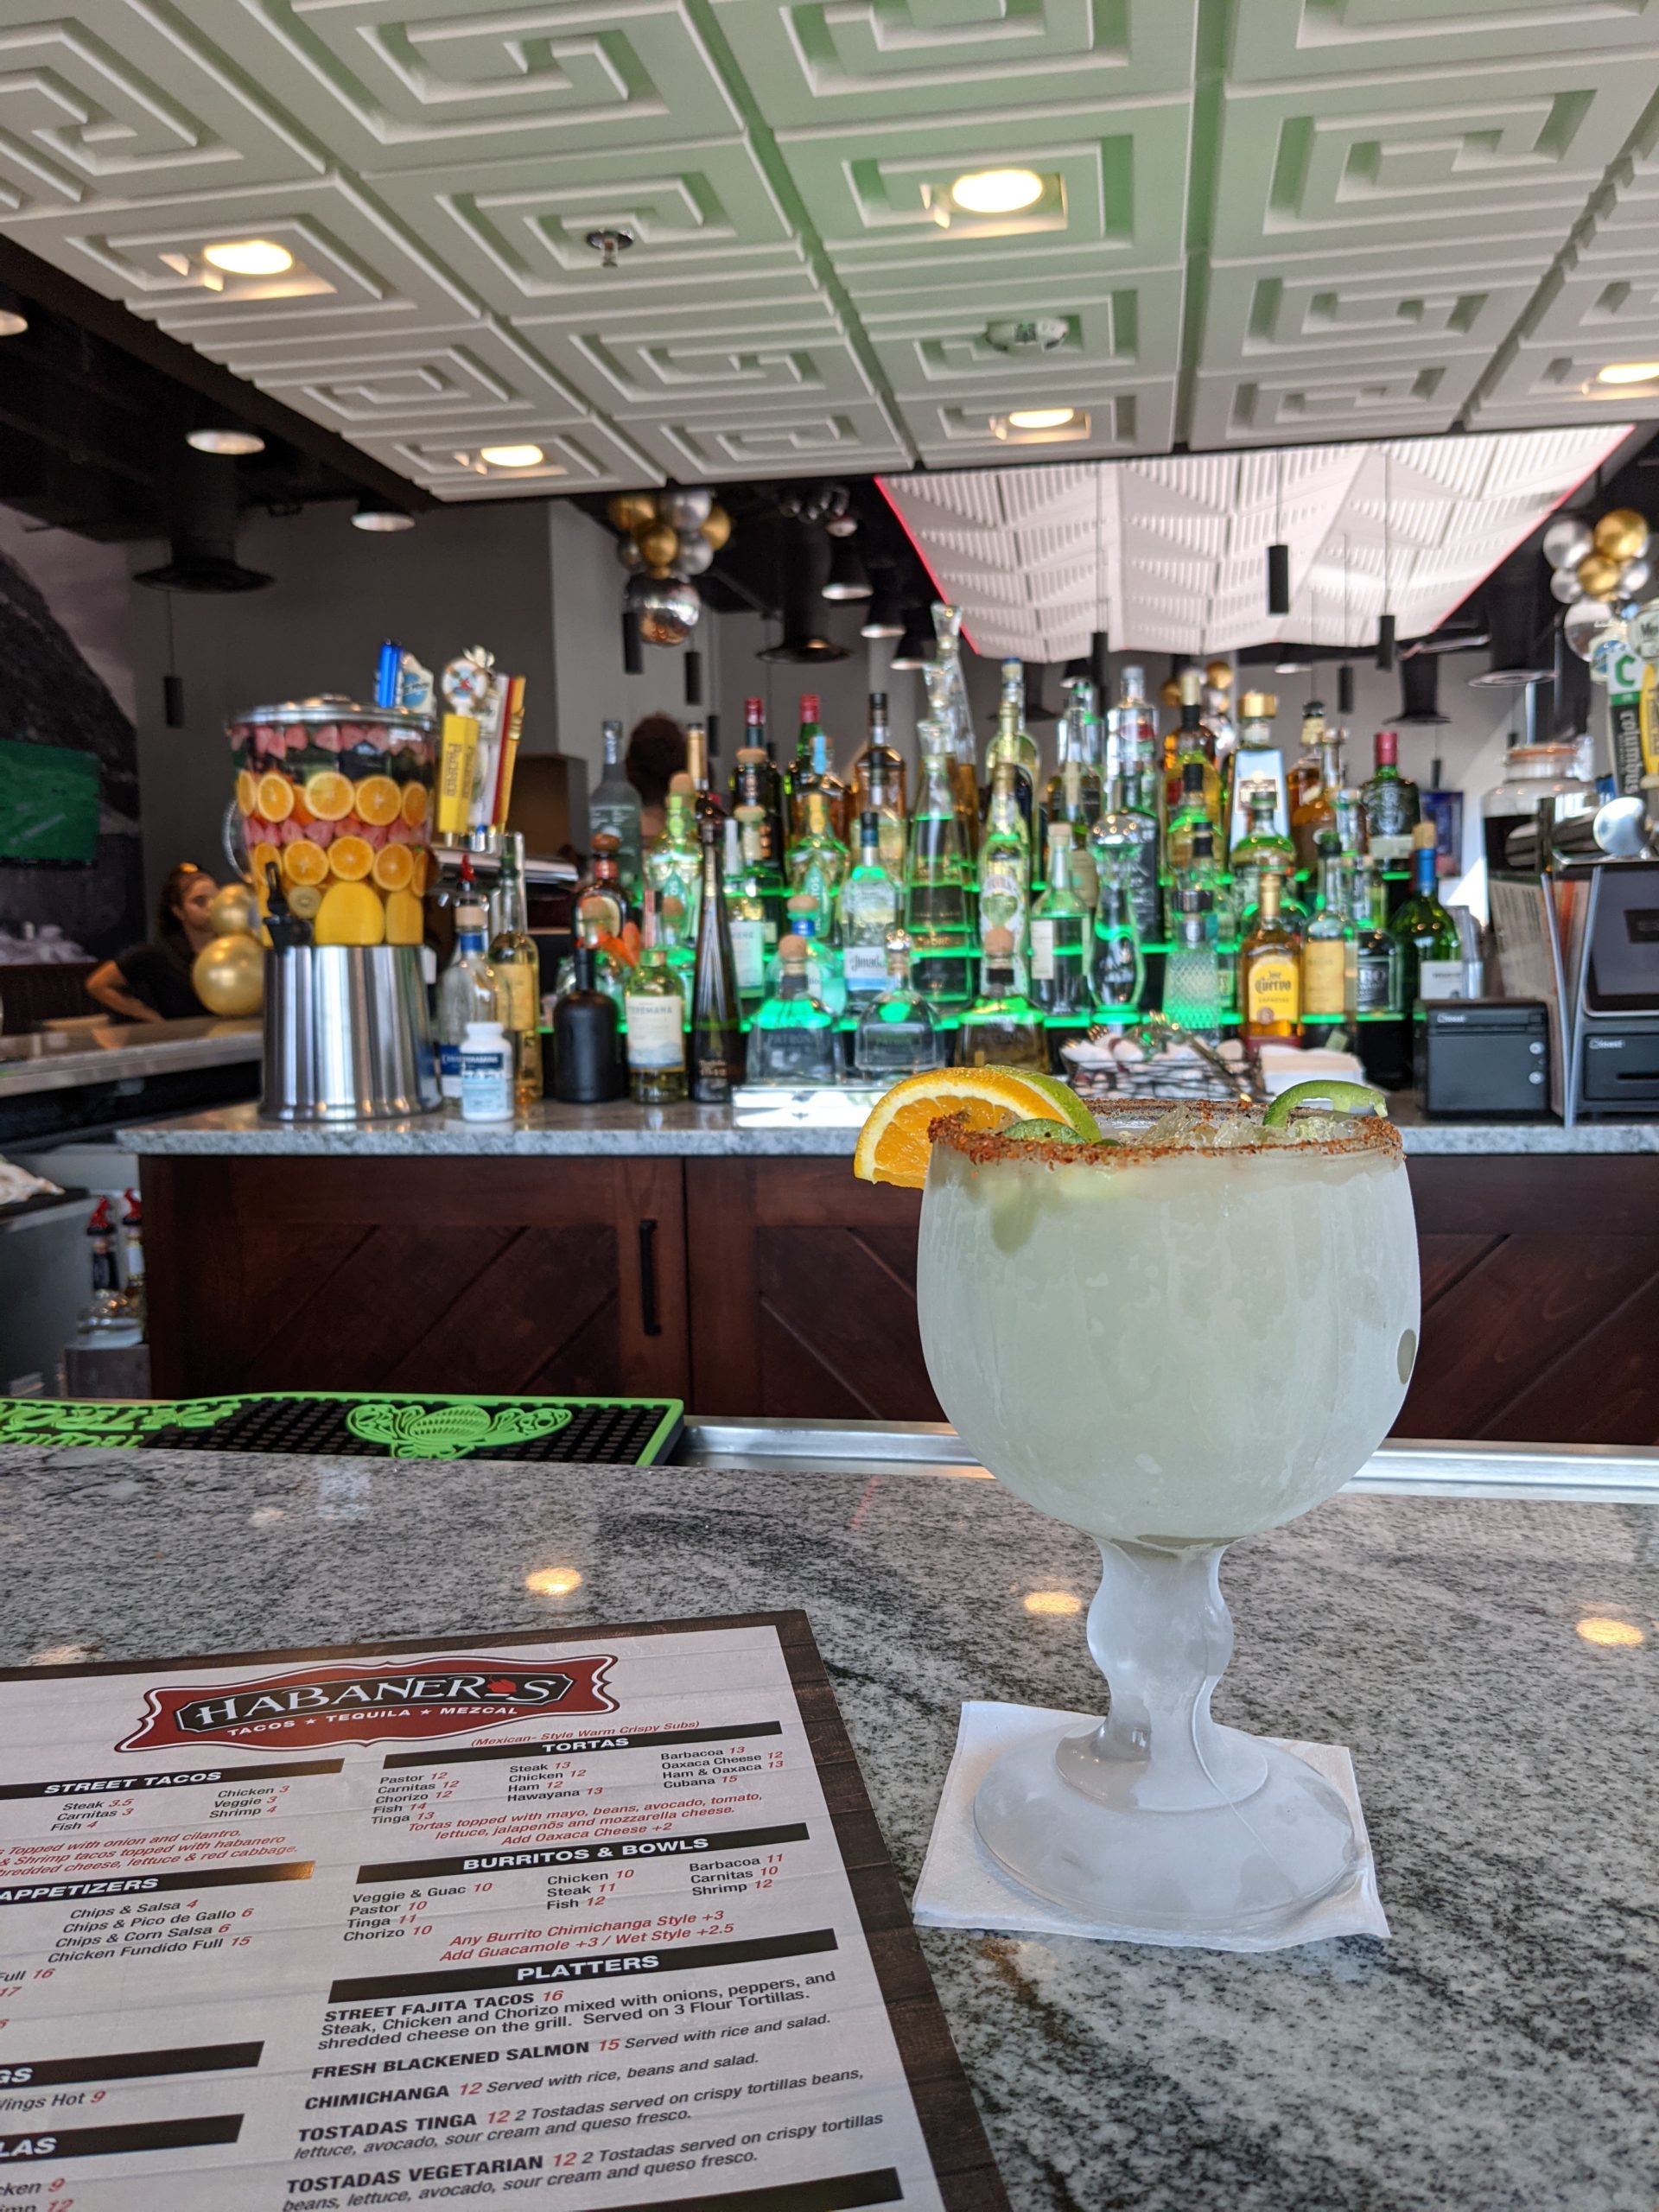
(1191, 1335)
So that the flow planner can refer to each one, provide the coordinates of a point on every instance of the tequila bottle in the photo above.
(1191, 814)
(518, 967)
(817, 859)
(877, 779)
(1378, 966)
(937, 909)
(1315, 812)
(654, 1009)
(757, 782)
(947, 707)
(1193, 970)
(673, 868)
(705, 799)
(1074, 794)
(1126, 836)
(1205, 874)
(600, 902)
(467, 992)
(898, 1033)
(1257, 762)
(1328, 973)
(792, 1040)
(1270, 971)
(1262, 846)
(1004, 863)
(614, 808)
(1389, 801)
(1059, 934)
(869, 913)
(1431, 952)
(1002, 1028)
(1195, 740)
(753, 901)
(828, 982)
(1120, 969)
(802, 776)
(1015, 745)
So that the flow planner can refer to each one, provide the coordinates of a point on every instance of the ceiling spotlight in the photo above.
(1627, 373)
(379, 514)
(249, 256)
(225, 438)
(1292, 667)
(997, 192)
(13, 320)
(847, 577)
(511, 456)
(1042, 418)
(917, 646)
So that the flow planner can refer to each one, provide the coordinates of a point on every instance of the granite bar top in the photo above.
(1497, 2055)
(66, 1059)
(713, 1132)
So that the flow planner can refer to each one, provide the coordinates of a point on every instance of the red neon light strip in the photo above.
(918, 549)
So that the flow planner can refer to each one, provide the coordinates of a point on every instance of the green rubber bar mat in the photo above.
(394, 1425)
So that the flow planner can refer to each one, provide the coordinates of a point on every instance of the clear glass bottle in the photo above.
(1120, 968)
(1015, 744)
(1270, 971)
(1205, 872)
(1329, 972)
(868, 914)
(1060, 946)
(817, 859)
(1127, 835)
(1005, 863)
(947, 709)
(1195, 740)
(1532, 774)
(876, 780)
(825, 978)
(1378, 989)
(1257, 760)
(1316, 811)
(1262, 846)
(518, 967)
(614, 808)
(1192, 813)
(468, 991)
(754, 901)
(1431, 952)
(654, 1009)
(938, 912)
(673, 866)
(1074, 793)
(898, 1033)
(601, 901)
(716, 1052)
(1390, 806)
(1001, 1028)
(792, 1040)
(1192, 969)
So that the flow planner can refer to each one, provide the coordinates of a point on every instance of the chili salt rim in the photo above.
(1370, 1133)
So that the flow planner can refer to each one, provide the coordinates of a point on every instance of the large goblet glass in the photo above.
(1169, 1342)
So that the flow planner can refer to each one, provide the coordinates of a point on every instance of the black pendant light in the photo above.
(693, 676)
(804, 557)
(1419, 691)
(202, 515)
(1279, 553)
(883, 617)
(1385, 621)
(918, 646)
(634, 654)
(847, 577)
(1513, 628)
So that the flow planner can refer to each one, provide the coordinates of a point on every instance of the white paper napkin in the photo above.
(961, 1888)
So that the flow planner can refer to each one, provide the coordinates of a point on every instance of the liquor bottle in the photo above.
(825, 976)
(614, 810)
(1316, 811)
(1128, 832)
(1005, 863)
(937, 914)
(1378, 967)
(801, 777)
(107, 1320)
(1270, 970)
(898, 1033)
(586, 1070)
(1389, 803)
(518, 968)
(1264, 847)
(1015, 744)
(1431, 952)
(770, 795)
(1307, 771)
(817, 859)
(705, 798)
(877, 777)
(1060, 945)
(947, 709)
(793, 1037)
(1205, 872)
(1074, 794)
(1257, 761)
(716, 1047)
(869, 913)
(599, 903)
(1133, 722)
(1330, 975)
(468, 991)
(654, 1009)
(1191, 814)
(673, 867)
(1002, 1028)
(754, 901)
(132, 1258)
(1120, 968)
(1193, 970)
(1195, 740)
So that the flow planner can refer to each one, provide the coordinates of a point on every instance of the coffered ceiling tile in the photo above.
(102, 103)
(861, 60)
(1109, 420)
(586, 457)
(1266, 407)
(772, 363)
(1557, 384)
(518, 230)
(1500, 153)
(740, 438)
(1355, 307)
(1278, 39)
(352, 266)
(476, 374)
(1048, 336)
(1118, 181)
(890, 280)
(1607, 302)
(404, 84)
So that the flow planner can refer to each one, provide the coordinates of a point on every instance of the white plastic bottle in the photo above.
(486, 1073)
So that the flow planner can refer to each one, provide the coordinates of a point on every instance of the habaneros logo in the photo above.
(297, 1711)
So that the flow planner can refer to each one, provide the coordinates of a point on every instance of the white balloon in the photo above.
(1567, 542)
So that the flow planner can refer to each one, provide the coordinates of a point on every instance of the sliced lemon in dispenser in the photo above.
(350, 914)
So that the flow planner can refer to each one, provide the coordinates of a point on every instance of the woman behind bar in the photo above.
(151, 982)
(656, 753)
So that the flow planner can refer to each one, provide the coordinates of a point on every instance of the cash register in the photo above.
(1613, 994)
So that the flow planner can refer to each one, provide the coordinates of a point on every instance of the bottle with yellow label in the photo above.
(1330, 972)
(518, 968)
(1270, 972)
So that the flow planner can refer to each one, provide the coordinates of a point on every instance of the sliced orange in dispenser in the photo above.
(351, 859)
(329, 794)
(247, 792)
(405, 921)
(378, 800)
(415, 804)
(275, 796)
(350, 914)
(394, 867)
(305, 862)
(418, 886)
(893, 1144)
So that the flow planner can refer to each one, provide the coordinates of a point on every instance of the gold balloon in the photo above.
(235, 911)
(657, 547)
(230, 976)
(1597, 576)
(631, 511)
(1218, 675)
(1171, 693)
(717, 527)
(1620, 535)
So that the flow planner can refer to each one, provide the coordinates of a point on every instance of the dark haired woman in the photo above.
(151, 982)
(656, 753)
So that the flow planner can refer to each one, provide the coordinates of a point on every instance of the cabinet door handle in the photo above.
(648, 1321)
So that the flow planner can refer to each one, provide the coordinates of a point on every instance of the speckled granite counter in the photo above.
(710, 1132)
(1498, 2056)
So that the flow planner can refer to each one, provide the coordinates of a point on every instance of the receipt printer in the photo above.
(1483, 1059)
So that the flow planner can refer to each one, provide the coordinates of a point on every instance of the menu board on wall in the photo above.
(599, 1920)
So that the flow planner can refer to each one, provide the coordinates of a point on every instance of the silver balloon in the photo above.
(1564, 585)
(628, 553)
(1584, 622)
(1634, 578)
(695, 555)
(1567, 541)
(669, 610)
(685, 510)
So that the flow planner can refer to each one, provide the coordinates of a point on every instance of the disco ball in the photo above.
(669, 610)
(1567, 542)
(685, 510)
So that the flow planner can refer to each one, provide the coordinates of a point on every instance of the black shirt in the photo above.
(160, 975)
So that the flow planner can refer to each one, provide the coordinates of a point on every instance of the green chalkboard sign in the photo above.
(49, 803)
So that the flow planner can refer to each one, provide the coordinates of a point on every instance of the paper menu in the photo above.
(596, 1920)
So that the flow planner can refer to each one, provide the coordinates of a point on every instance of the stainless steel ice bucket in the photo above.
(347, 1038)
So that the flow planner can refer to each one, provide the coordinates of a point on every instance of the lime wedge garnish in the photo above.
(1068, 1107)
(1045, 1133)
(1340, 1097)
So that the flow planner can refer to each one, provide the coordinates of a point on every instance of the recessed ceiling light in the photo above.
(249, 256)
(1627, 373)
(511, 456)
(224, 441)
(997, 192)
(1042, 418)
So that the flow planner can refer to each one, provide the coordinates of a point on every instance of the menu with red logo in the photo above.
(596, 1920)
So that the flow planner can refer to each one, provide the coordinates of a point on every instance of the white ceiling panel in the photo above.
(1392, 218)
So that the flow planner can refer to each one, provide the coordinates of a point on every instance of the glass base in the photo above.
(1067, 1819)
